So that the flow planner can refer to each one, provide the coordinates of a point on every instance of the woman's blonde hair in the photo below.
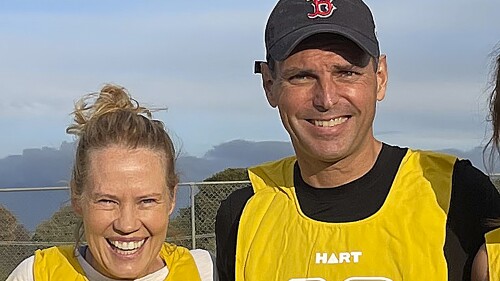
(112, 117)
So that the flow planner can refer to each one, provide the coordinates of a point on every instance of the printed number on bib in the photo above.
(348, 279)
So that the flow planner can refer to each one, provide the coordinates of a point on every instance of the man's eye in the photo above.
(300, 78)
(348, 73)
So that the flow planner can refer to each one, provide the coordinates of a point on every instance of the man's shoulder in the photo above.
(275, 163)
(391, 147)
(461, 165)
(464, 169)
(238, 198)
(431, 156)
(428, 152)
(228, 216)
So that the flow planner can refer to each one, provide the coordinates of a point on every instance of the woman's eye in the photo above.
(106, 203)
(148, 201)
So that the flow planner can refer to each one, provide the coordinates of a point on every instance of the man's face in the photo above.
(326, 92)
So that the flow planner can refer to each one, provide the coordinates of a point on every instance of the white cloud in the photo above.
(198, 62)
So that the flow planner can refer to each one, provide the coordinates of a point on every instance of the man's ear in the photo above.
(382, 77)
(268, 84)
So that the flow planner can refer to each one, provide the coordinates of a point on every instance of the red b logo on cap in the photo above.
(322, 8)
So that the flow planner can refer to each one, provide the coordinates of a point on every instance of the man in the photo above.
(346, 206)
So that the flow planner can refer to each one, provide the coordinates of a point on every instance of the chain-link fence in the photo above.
(192, 224)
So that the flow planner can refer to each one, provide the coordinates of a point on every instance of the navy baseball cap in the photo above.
(292, 21)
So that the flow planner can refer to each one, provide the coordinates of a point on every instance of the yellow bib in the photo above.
(403, 240)
(60, 263)
(493, 250)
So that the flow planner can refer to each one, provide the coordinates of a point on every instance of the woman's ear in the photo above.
(76, 204)
(173, 200)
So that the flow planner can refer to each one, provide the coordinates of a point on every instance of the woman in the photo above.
(486, 264)
(123, 186)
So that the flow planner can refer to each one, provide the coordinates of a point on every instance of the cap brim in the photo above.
(282, 49)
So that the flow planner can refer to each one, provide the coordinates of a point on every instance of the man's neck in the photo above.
(322, 174)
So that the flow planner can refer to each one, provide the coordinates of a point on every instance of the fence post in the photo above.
(193, 219)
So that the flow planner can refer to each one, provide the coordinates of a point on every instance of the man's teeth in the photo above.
(330, 123)
(128, 246)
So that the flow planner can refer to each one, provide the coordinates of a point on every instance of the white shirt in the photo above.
(202, 258)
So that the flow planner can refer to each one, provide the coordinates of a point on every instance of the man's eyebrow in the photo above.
(295, 70)
(346, 66)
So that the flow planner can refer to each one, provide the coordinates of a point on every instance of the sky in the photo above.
(196, 58)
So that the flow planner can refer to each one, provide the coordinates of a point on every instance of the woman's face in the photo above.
(125, 207)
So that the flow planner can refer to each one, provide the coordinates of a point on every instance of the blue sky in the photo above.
(195, 57)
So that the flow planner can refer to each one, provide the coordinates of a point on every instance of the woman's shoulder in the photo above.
(202, 256)
(24, 271)
(205, 262)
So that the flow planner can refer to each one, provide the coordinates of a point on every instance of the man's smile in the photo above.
(329, 123)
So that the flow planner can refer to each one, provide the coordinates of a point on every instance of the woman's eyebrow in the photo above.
(95, 195)
(150, 195)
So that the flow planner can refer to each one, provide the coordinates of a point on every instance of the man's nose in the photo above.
(325, 95)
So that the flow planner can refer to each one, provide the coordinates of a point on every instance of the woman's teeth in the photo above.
(127, 246)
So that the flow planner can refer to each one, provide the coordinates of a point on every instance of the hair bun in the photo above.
(111, 98)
